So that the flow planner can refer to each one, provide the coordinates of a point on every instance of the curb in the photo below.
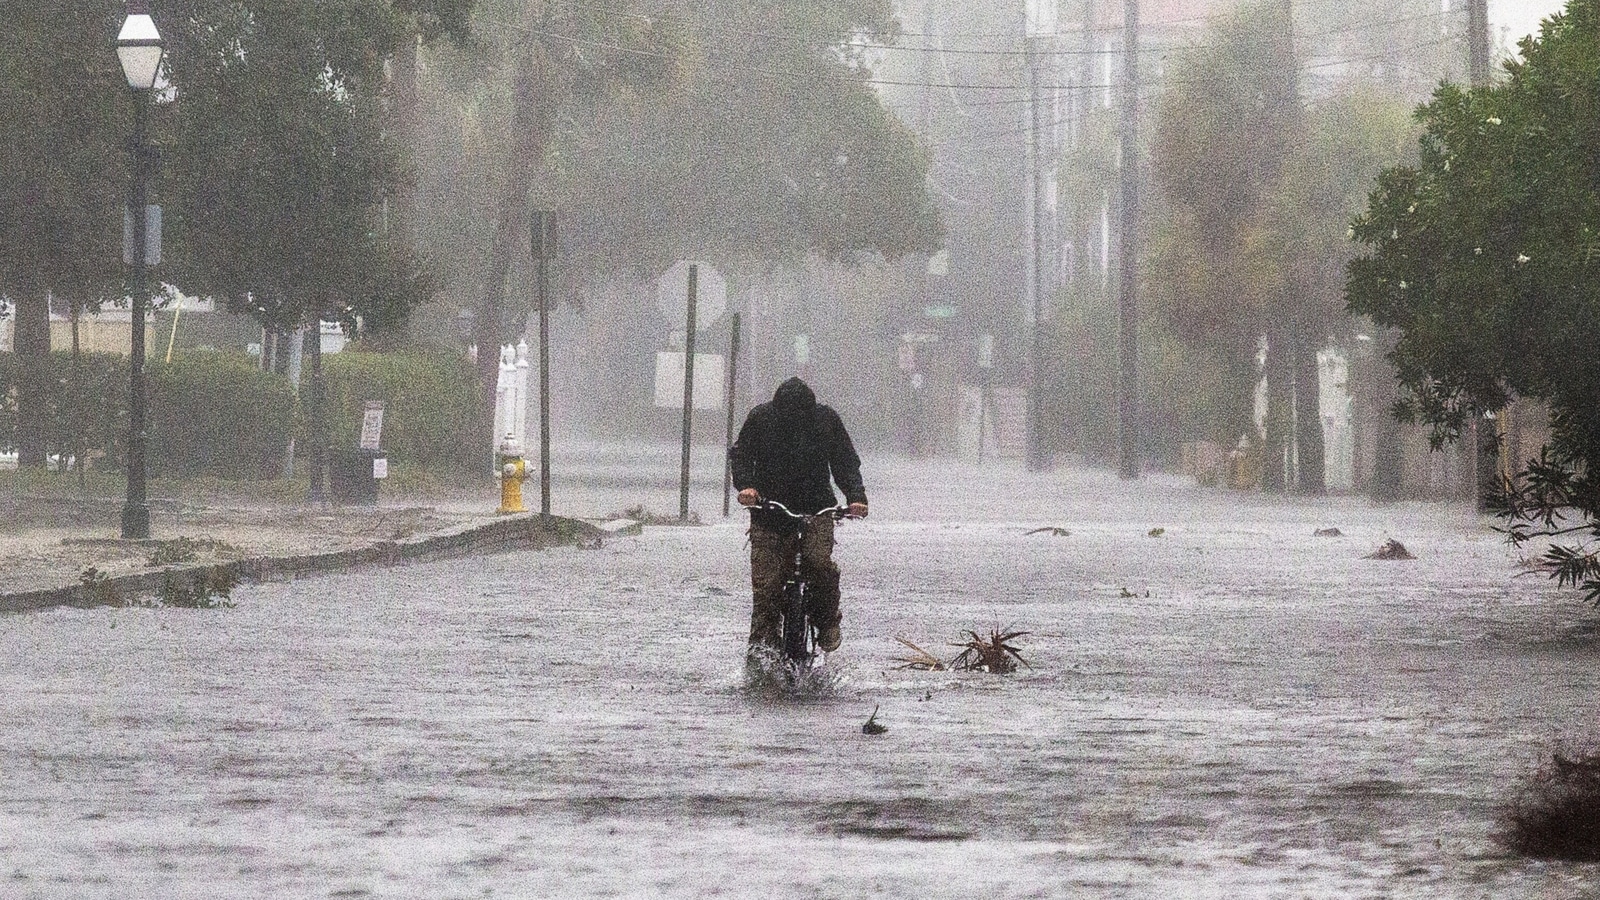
(522, 532)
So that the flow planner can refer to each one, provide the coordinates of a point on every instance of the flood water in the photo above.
(1231, 708)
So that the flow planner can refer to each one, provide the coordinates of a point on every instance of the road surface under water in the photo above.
(1232, 708)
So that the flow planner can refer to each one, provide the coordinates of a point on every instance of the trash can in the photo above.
(353, 475)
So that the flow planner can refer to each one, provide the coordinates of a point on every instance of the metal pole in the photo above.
(688, 394)
(136, 512)
(1037, 457)
(733, 393)
(1128, 270)
(544, 387)
(1478, 42)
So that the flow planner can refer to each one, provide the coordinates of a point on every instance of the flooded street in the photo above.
(1233, 707)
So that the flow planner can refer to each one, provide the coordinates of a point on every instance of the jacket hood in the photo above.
(795, 394)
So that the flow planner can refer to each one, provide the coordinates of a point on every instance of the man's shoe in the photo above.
(828, 638)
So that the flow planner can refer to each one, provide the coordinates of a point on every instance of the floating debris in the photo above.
(1054, 530)
(920, 660)
(1327, 532)
(871, 726)
(1391, 549)
(1157, 532)
(994, 654)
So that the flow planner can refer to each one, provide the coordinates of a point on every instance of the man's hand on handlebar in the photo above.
(749, 497)
(859, 510)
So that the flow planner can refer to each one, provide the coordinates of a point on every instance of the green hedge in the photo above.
(217, 413)
(100, 405)
(430, 406)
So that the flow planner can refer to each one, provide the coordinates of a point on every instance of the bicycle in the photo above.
(799, 636)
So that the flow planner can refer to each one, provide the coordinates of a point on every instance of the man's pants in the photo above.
(771, 554)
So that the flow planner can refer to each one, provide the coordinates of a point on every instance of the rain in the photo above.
(1202, 387)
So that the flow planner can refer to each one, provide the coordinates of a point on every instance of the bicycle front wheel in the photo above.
(795, 625)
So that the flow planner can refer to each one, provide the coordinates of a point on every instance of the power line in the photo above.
(985, 136)
(885, 82)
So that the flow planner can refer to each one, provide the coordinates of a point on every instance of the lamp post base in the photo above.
(135, 522)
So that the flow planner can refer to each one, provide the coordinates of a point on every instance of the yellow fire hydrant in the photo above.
(513, 472)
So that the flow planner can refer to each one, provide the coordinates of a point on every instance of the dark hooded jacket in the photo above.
(790, 450)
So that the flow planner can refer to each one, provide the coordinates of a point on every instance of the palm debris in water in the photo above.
(993, 654)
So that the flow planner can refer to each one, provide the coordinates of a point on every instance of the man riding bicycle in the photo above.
(791, 450)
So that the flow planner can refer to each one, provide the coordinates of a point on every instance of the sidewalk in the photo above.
(50, 542)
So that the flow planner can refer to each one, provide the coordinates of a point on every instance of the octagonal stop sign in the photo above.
(711, 294)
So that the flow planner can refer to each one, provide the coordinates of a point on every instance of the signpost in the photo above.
(688, 387)
(544, 247)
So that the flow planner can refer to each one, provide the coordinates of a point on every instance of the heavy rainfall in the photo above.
(840, 448)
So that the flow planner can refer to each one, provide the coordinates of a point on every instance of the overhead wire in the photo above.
(864, 77)
(1151, 86)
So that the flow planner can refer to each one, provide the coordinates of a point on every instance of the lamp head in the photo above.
(139, 47)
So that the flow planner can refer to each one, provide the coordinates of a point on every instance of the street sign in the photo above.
(152, 235)
(711, 294)
(709, 385)
(371, 425)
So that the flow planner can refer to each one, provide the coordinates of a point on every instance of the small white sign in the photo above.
(380, 467)
(709, 385)
(372, 425)
(802, 349)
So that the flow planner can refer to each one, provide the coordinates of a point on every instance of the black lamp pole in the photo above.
(139, 50)
(136, 512)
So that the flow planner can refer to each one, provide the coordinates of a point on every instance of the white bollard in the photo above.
(520, 408)
(502, 390)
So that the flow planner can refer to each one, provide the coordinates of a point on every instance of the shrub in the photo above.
(430, 406)
(1557, 813)
(93, 418)
(218, 413)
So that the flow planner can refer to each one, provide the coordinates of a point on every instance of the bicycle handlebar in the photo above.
(833, 512)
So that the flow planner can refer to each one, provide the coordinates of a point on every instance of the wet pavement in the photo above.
(1231, 708)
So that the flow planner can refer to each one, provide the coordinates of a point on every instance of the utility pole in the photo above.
(1478, 42)
(1039, 33)
(1484, 434)
(1128, 272)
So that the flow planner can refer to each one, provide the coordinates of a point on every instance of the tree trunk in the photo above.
(532, 115)
(31, 342)
(317, 420)
(1280, 399)
(1387, 470)
(76, 393)
(1311, 470)
(400, 207)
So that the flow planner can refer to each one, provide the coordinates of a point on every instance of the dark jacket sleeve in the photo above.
(741, 458)
(844, 461)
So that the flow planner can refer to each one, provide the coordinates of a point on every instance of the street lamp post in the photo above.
(139, 50)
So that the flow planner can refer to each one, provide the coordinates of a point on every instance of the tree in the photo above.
(1223, 136)
(66, 107)
(670, 134)
(1485, 256)
(284, 167)
(771, 148)
(1297, 249)
(1262, 189)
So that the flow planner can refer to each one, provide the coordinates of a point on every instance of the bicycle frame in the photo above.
(799, 641)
